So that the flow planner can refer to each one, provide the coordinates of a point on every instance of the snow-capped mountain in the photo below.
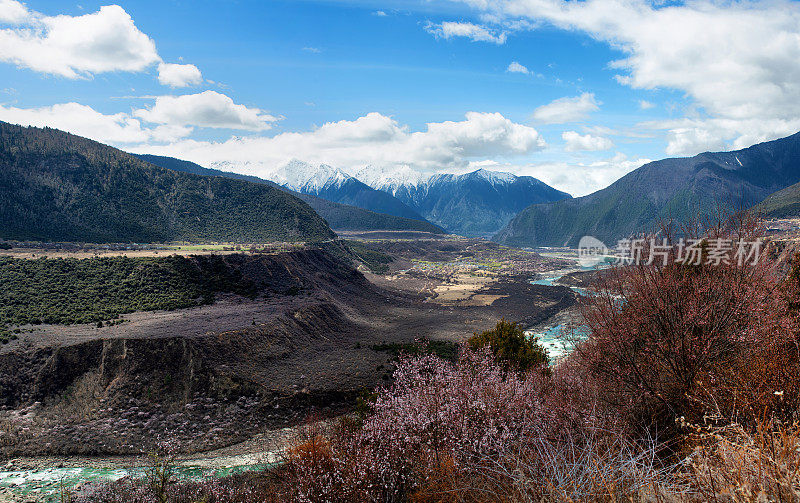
(391, 179)
(309, 178)
(333, 184)
(479, 203)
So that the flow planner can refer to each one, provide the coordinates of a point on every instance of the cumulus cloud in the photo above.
(371, 139)
(12, 11)
(207, 109)
(516, 67)
(474, 32)
(82, 120)
(690, 140)
(79, 46)
(567, 109)
(577, 142)
(174, 75)
(689, 136)
(580, 179)
(739, 61)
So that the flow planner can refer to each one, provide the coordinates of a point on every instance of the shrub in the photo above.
(470, 431)
(511, 346)
(692, 341)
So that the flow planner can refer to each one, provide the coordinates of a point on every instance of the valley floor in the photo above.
(229, 381)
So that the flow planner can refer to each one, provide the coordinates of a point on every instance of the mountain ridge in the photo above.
(668, 189)
(475, 204)
(55, 186)
(334, 185)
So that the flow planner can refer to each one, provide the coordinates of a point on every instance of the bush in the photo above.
(470, 431)
(693, 342)
(511, 346)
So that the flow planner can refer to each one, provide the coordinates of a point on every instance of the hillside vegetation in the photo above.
(55, 186)
(68, 291)
(782, 204)
(339, 216)
(670, 189)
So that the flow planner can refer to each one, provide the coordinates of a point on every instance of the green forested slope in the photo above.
(55, 186)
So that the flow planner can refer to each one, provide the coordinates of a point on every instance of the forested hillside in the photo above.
(55, 186)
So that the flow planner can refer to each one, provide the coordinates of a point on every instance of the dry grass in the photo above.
(734, 465)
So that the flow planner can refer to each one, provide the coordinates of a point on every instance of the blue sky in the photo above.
(269, 75)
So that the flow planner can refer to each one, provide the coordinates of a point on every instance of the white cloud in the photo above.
(174, 75)
(12, 12)
(82, 46)
(79, 46)
(474, 32)
(577, 179)
(372, 139)
(312, 50)
(379, 13)
(207, 109)
(739, 61)
(576, 142)
(646, 105)
(83, 120)
(691, 140)
(516, 67)
(690, 136)
(568, 109)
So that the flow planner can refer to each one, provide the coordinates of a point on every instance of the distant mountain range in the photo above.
(334, 185)
(341, 217)
(476, 204)
(55, 186)
(675, 189)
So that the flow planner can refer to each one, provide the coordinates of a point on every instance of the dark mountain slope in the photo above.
(668, 189)
(55, 186)
(478, 203)
(352, 192)
(339, 216)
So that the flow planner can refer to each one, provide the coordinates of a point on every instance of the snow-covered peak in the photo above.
(494, 177)
(309, 178)
(390, 179)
